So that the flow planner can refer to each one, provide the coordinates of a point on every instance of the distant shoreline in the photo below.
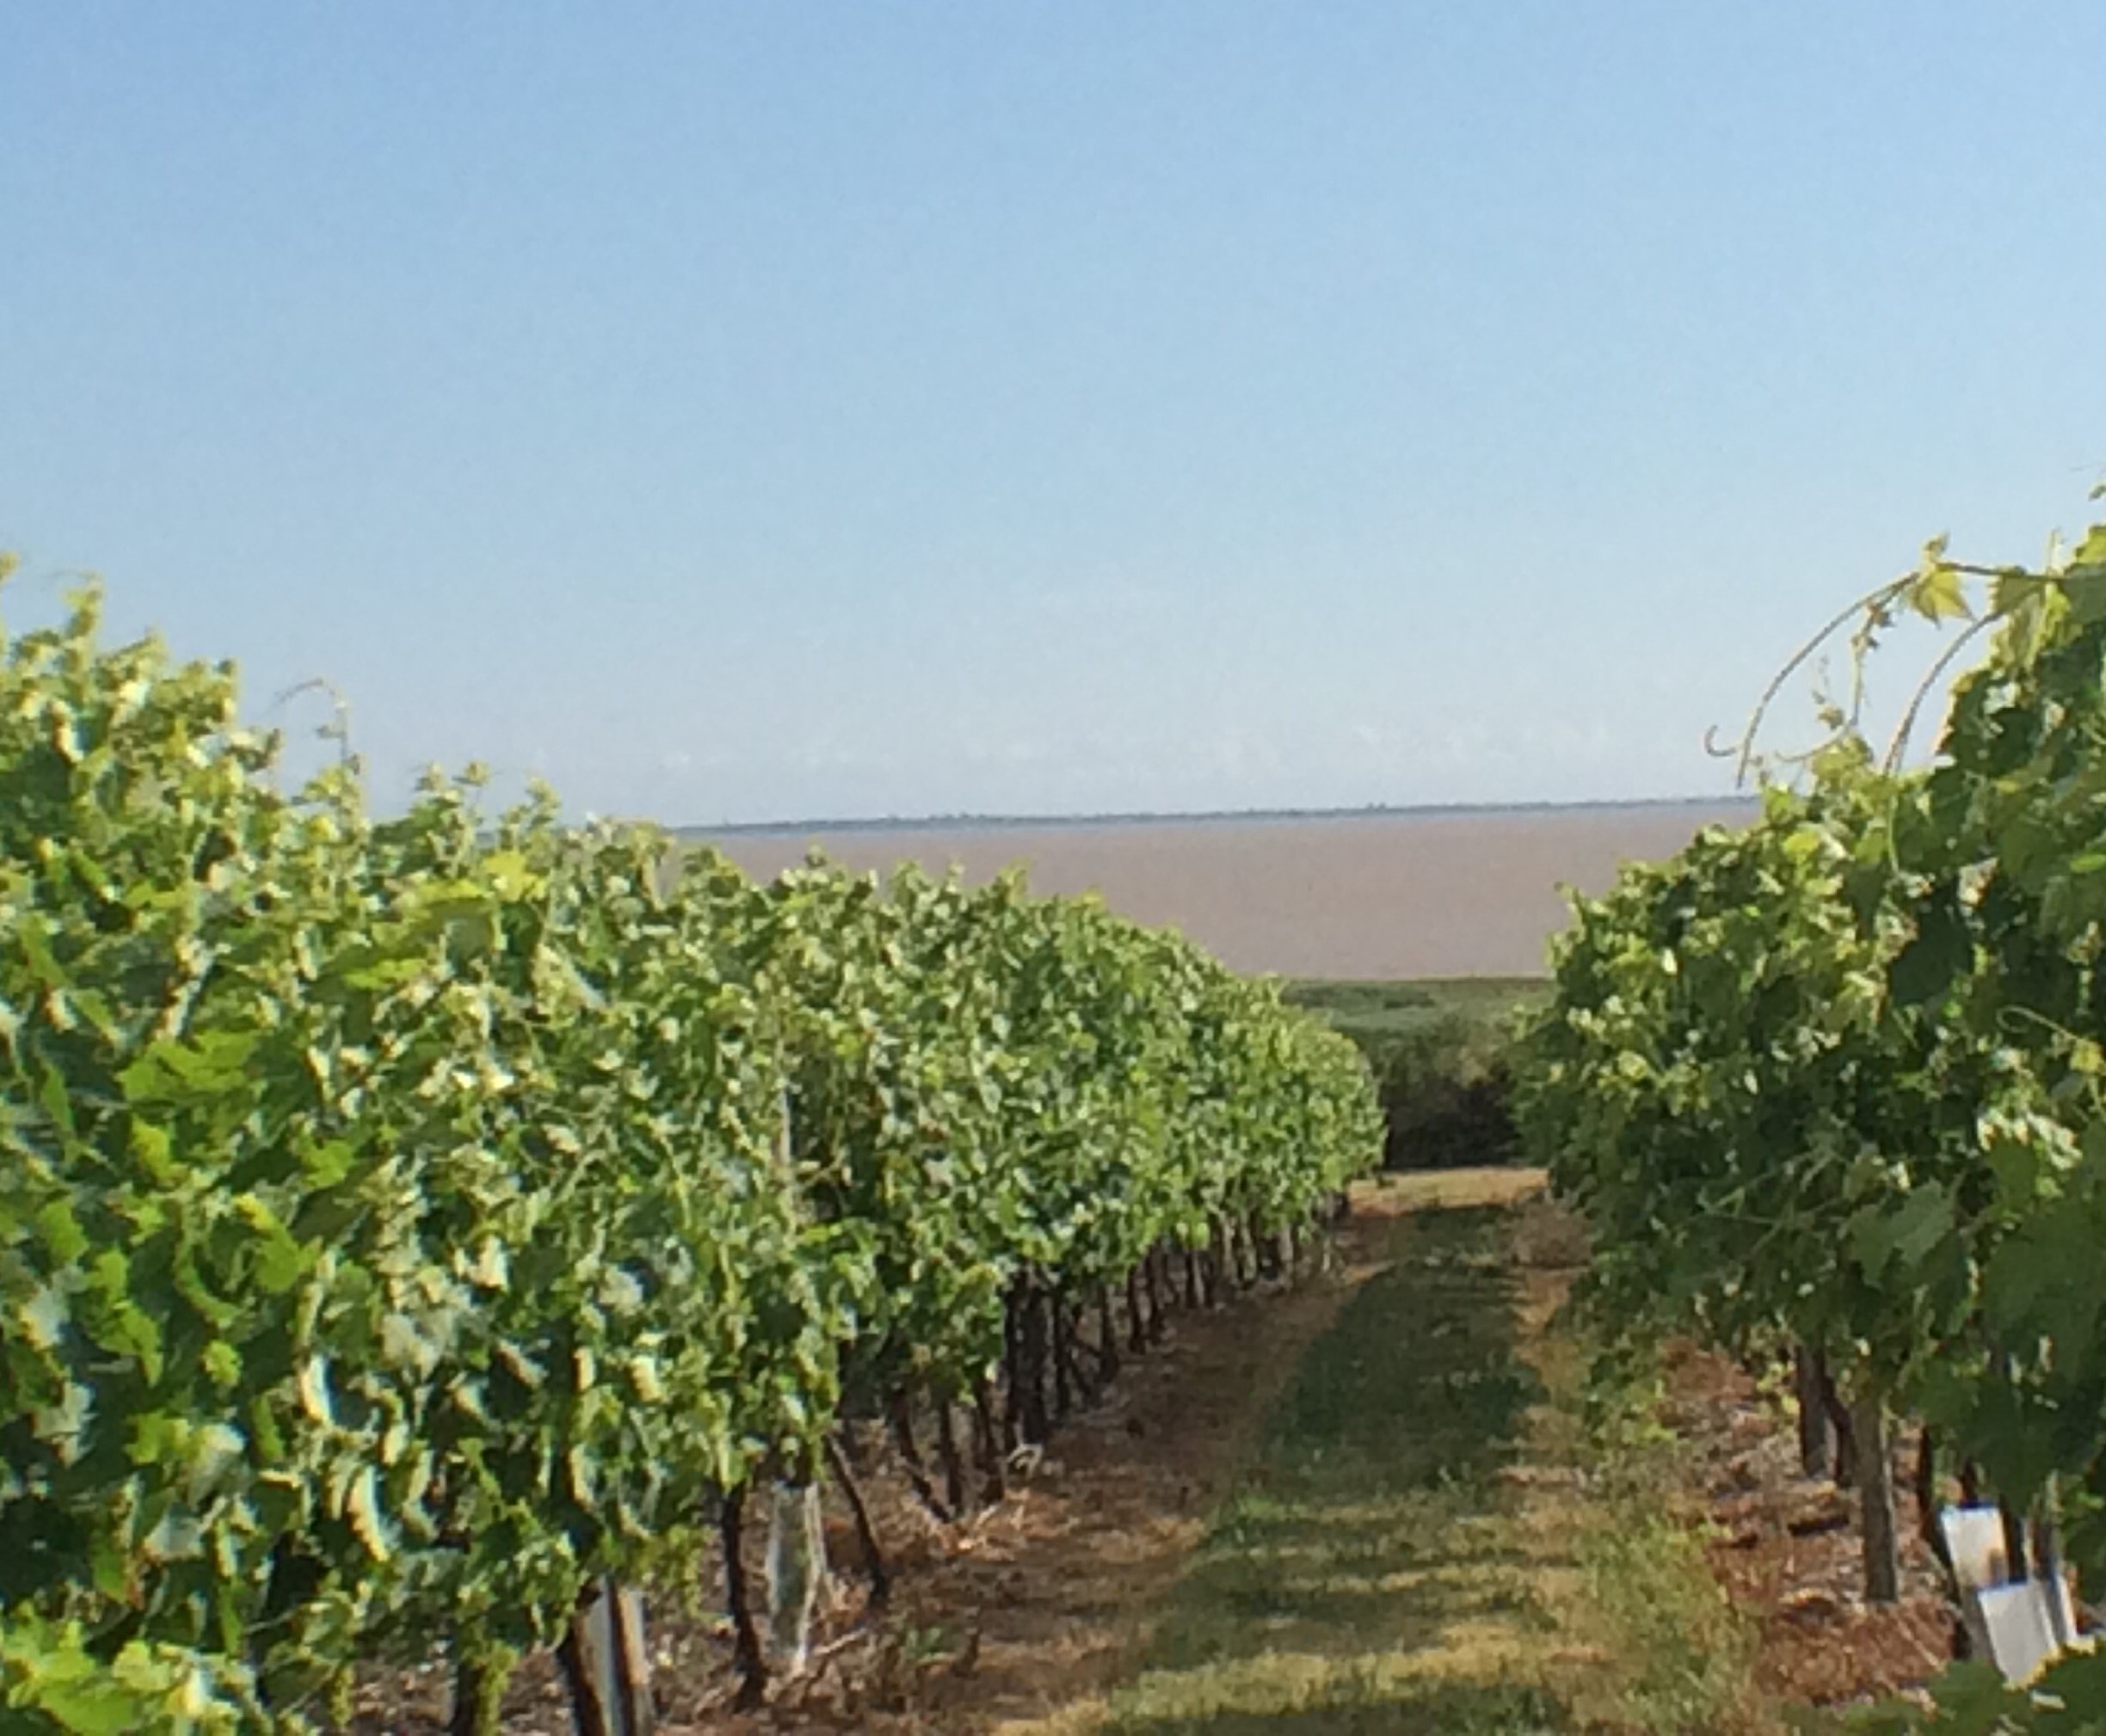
(1339, 894)
(1007, 823)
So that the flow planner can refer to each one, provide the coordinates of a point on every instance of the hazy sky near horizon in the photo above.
(747, 412)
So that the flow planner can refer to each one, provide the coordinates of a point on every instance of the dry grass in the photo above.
(1022, 1610)
(1788, 1550)
(1369, 1505)
(1417, 1544)
(1400, 1194)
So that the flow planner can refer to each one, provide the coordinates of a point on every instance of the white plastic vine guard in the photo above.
(2019, 1626)
(1974, 1539)
(2013, 1624)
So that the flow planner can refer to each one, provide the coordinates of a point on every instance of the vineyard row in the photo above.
(1835, 1084)
(407, 1224)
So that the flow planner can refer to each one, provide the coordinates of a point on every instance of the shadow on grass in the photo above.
(1362, 1578)
(1437, 1709)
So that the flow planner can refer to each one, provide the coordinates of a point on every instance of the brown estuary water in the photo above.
(1372, 895)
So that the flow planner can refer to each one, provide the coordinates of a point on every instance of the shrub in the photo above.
(1444, 1096)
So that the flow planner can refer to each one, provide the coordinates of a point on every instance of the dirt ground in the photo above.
(1028, 1607)
(1786, 1548)
(1042, 1614)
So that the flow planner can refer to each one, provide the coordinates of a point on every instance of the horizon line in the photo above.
(1371, 810)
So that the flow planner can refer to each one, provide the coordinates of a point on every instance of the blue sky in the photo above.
(767, 411)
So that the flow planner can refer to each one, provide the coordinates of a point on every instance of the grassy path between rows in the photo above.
(1425, 1538)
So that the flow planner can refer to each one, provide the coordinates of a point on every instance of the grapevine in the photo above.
(407, 1224)
(1834, 1079)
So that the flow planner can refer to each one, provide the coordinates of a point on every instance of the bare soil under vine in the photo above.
(1198, 1557)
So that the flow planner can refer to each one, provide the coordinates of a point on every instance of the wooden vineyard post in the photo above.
(947, 1456)
(866, 1533)
(1033, 1422)
(630, 1659)
(1817, 1435)
(738, 1594)
(2017, 1565)
(606, 1667)
(797, 1570)
(1839, 1419)
(1086, 1384)
(901, 1408)
(1875, 1494)
(1013, 1307)
(1056, 1300)
(1926, 1493)
(993, 1478)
